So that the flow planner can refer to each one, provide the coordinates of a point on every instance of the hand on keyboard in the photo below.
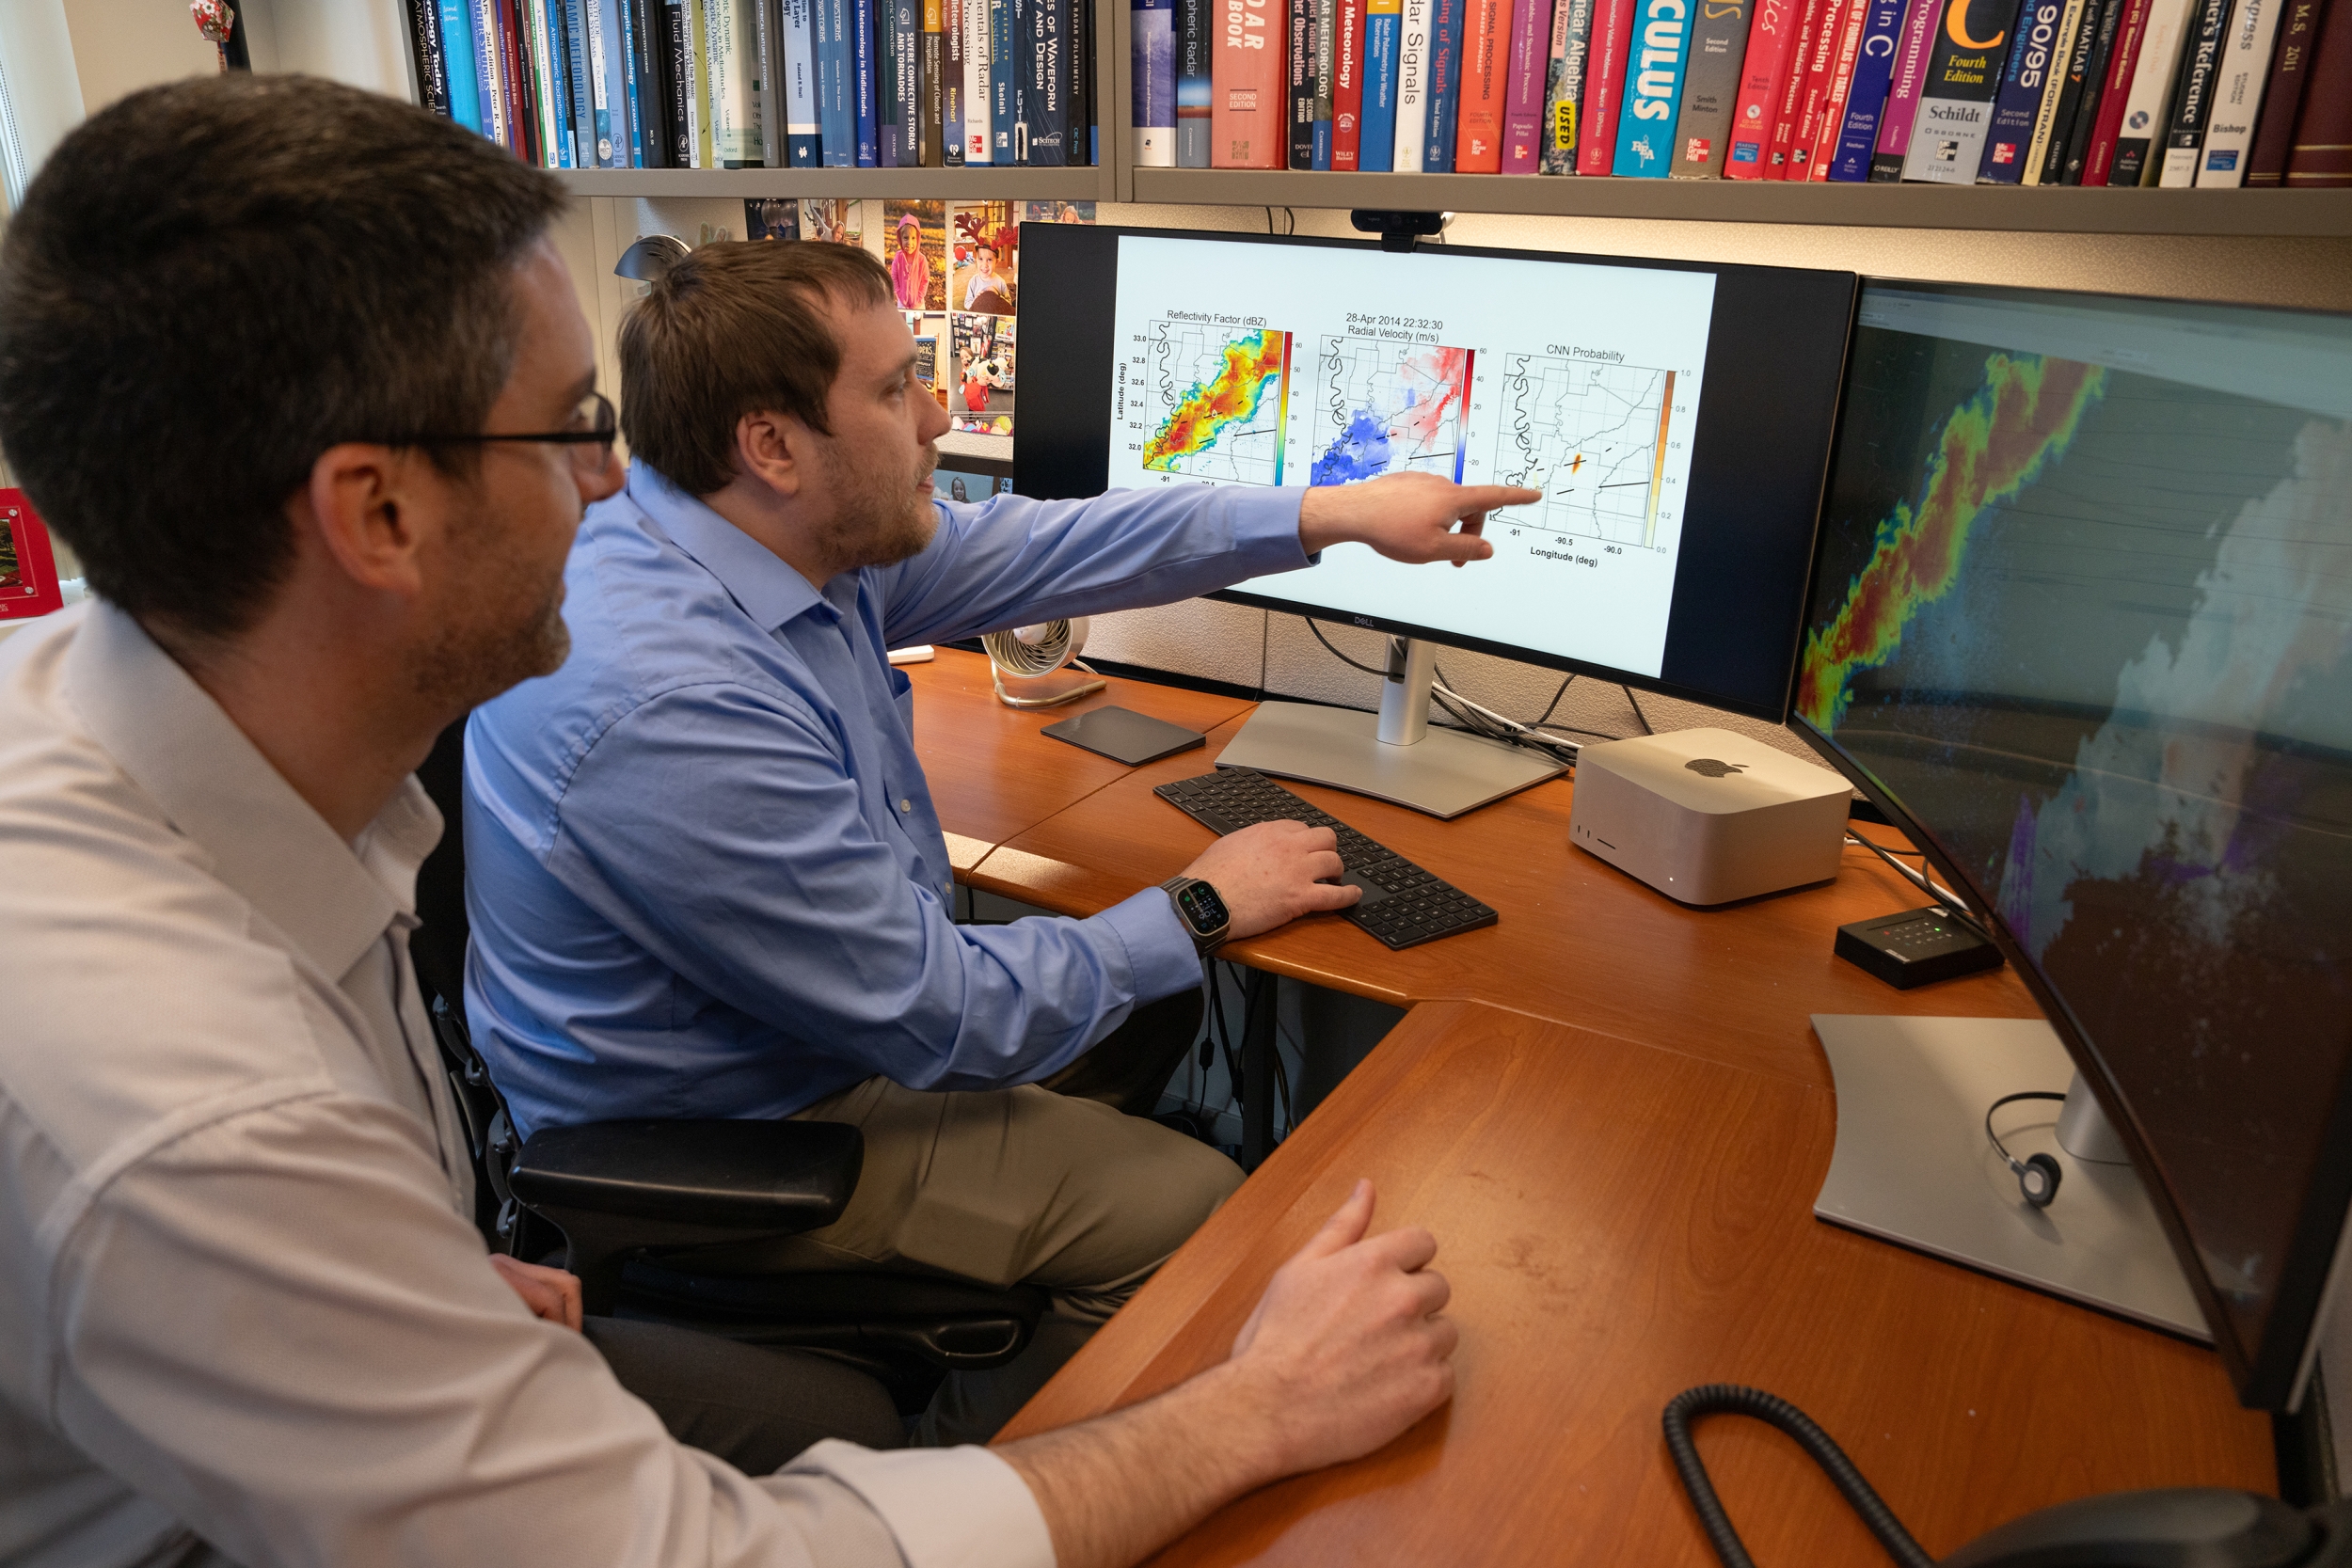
(1272, 873)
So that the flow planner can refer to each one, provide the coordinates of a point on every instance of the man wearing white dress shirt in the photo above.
(297, 371)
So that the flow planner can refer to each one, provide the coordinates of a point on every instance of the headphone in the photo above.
(2037, 1174)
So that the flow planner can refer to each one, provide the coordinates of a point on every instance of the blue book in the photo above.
(1445, 84)
(1377, 126)
(559, 83)
(1659, 48)
(861, 20)
(1047, 111)
(633, 110)
(803, 129)
(462, 57)
(1865, 101)
(2009, 136)
(1002, 78)
(605, 52)
(836, 94)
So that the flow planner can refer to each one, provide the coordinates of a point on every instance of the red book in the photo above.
(1604, 85)
(1478, 134)
(2129, 33)
(1820, 63)
(1347, 86)
(2282, 97)
(1832, 123)
(1809, 21)
(1249, 113)
(2322, 154)
(1771, 38)
(521, 120)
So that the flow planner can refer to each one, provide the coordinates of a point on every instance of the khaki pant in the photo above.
(1021, 1186)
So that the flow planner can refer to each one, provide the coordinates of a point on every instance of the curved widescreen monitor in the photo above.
(2082, 622)
(1675, 415)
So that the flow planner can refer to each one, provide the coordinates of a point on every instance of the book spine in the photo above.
(489, 79)
(1865, 96)
(836, 118)
(630, 129)
(1772, 40)
(1653, 90)
(890, 127)
(603, 42)
(866, 17)
(2282, 97)
(2086, 119)
(424, 46)
(1086, 121)
(1347, 86)
(578, 45)
(1447, 19)
(559, 117)
(980, 141)
(1903, 93)
(951, 84)
(1023, 25)
(1710, 87)
(1820, 61)
(2100, 161)
(1525, 75)
(767, 82)
(698, 81)
(1832, 116)
(1478, 137)
(499, 31)
(670, 37)
(2321, 158)
(1049, 84)
(653, 88)
(1153, 27)
(1564, 86)
(1298, 100)
(2151, 92)
(1324, 68)
(931, 71)
(1376, 144)
(2011, 135)
(532, 91)
(1248, 127)
(1003, 77)
(1604, 85)
(1811, 19)
(731, 45)
(2237, 98)
(461, 62)
(803, 129)
(1412, 85)
(2075, 16)
(2192, 104)
(1195, 33)
(1956, 98)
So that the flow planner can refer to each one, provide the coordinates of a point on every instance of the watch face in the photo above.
(1203, 909)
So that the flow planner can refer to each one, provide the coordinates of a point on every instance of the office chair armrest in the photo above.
(767, 1177)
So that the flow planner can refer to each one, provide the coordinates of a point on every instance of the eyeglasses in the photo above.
(589, 435)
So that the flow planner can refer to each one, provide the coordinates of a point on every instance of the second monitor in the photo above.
(1676, 417)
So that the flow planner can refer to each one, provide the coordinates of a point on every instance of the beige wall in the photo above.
(122, 45)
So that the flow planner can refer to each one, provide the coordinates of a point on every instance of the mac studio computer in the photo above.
(1676, 417)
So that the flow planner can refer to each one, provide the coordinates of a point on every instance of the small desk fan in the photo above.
(1028, 664)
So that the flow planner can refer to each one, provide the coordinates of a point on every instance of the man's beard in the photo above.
(881, 518)
(509, 631)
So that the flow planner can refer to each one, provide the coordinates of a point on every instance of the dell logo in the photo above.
(1712, 768)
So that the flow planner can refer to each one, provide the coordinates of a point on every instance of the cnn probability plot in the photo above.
(1380, 406)
(1215, 399)
(1592, 437)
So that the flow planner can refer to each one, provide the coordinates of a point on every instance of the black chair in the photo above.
(628, 1202)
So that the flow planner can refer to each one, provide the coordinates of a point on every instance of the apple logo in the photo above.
(1712, 768)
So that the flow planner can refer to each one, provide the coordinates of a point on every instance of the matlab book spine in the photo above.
(1245, 99)
(1771, 41)
(1604, 84)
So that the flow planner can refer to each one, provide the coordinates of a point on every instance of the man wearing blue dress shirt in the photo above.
(705, 875)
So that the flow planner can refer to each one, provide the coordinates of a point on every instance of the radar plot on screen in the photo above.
(1382, 407)
(1593, 437)
(1217, 399)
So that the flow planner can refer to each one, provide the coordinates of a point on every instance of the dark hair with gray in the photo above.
(735, 328)
(211, 283)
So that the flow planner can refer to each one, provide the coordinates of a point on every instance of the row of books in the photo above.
(2089, 93)
(773, 83)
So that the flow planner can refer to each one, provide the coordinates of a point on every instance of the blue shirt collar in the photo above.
(770, 592)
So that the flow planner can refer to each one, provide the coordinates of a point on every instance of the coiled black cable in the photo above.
(1731, 1399)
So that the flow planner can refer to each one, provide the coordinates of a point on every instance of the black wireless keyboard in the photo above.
(1403, 904)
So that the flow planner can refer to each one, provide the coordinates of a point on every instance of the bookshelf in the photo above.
(948, 184)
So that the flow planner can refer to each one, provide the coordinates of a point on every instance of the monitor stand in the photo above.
(1913, 1165)
(1392, 756)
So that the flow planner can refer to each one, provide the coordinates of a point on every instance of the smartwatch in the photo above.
(1203, 913)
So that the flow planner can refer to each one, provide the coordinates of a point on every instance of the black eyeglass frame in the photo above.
(608, 431)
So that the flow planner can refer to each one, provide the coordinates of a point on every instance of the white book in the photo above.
(2244, 67)
(975, 120)
(730, 34)
(801, 126)
(2053, 87)
(1412, 85)
(2139, 143)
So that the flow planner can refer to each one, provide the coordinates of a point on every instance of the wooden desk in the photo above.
(1612, 1112)
(1618, 1223)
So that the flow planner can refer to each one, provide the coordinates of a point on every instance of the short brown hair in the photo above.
(735, 327)
(211, 283)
